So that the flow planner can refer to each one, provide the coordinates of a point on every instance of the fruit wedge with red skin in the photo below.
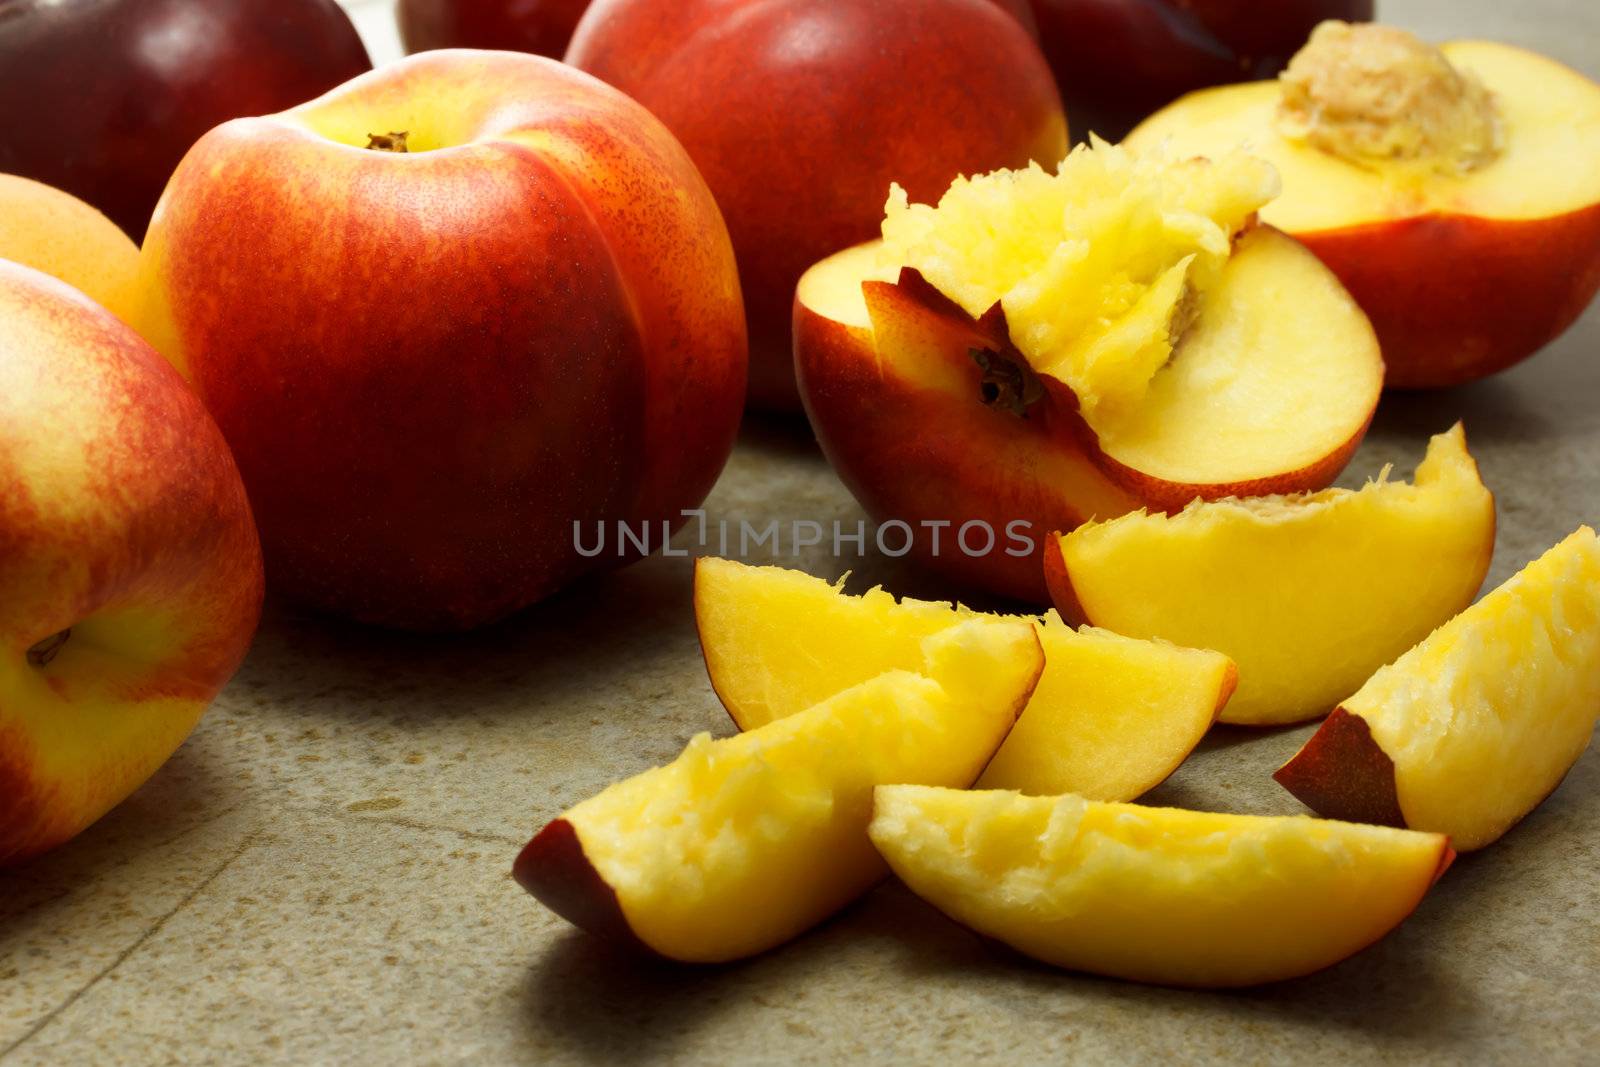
(1473, 728)
(743, 843)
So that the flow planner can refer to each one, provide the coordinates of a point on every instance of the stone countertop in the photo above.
(322, 874)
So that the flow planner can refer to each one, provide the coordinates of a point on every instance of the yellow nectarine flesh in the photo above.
(1308, 594)
(1155, 894)
(1097, 266)
(1470, 730)
(1454, 190)
(1110, 719)
(741, 844)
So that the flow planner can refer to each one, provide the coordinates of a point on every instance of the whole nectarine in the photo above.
(130, 573)
(434, 361)
(800, 113)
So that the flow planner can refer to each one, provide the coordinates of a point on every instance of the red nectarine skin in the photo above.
(800, 113)
(150, 540)
(543, 27)
(931, 450)
(431, 366)
(1511, 288)
(555, 870)
(1118, 60)
(1341, 773)
(103, 97)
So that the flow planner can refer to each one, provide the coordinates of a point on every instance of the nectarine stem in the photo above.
(45, 651)
(393, 141)
(1006, 383)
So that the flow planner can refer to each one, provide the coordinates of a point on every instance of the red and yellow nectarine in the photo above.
(130, 573)
(433, 363)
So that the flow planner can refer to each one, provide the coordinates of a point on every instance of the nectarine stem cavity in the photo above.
(45, 651)
(1007, 383)
(393, 141)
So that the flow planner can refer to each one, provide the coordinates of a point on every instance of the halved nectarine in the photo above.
(1308, 594)
(1155, 894)
(1111, 718)
(1039, 350)
(1469, 731)
(1455, 191)
(743, 843)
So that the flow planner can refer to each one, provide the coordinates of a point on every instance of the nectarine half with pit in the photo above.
(1308, 594)
(741, 844)
(1110, 719)
(1470, 730)
(1045, 349)
(1156, 895)
(1454, 190)
(801, 112)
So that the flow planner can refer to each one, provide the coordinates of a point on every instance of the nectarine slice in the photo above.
(1469, 731)
(740, 844)
(1455, 191)
(1041, 350)
(1308, 594)
(1111, 717)
(1155, 894)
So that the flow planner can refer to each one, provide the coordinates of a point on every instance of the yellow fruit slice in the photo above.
(1110, 719)
(1472, 729)
(740, 844)
(1307, 594)
(1155, 894)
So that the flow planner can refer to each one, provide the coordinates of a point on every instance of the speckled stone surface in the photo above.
(322, 874)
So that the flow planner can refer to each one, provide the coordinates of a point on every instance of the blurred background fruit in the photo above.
(55, 232)
(540, 26)
(101, 98)
(1118, 60)
(800, 113)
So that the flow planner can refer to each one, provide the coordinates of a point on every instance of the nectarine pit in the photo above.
(46, 650)
(1009, 384)
(393, 141)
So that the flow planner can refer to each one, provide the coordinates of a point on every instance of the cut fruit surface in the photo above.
(1155, 894)
(1455, 191)
(1096, 267)
(1470, 730)
(1144, 344)
(740, 844)
(1308, 594)
(1110, 719)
